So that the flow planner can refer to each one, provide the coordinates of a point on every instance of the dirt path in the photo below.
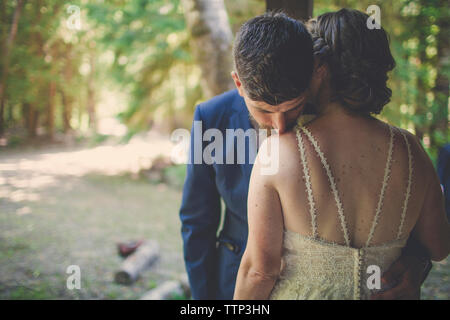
(65, 206)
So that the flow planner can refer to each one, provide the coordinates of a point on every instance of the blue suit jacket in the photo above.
(443, 168)
(212, 260)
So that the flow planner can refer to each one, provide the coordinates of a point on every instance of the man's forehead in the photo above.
(283, 106)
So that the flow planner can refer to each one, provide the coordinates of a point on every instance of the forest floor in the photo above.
(62, 206)
(71, 205)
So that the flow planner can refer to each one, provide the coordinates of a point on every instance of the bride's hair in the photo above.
(358, 59)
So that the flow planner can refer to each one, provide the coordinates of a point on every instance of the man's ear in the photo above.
(237, 83)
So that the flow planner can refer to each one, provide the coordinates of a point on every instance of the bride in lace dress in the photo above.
(350, 189)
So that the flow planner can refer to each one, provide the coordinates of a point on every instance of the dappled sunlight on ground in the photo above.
(64, 206)
(105, 159)
(22, 174)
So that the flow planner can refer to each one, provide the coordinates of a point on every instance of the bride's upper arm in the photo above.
(265, 218)
(432, 228)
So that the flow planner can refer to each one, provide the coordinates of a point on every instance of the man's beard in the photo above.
(309, 109)
(258, 126)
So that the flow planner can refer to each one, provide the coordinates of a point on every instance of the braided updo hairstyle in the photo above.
(358, 59)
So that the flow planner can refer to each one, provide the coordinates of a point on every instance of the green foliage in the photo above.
(178, 297)
(127, 137)
(175, 175)
(15, 141)
(151, 284)
(151, 60)
(40, 54)
(41, 292)
(144, 47)
(98, 139)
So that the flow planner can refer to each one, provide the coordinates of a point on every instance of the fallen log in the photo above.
(165, 291)
(170, 290)
(184, 281)
(141, 259)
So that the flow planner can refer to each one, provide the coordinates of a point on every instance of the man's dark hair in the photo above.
(273, 55)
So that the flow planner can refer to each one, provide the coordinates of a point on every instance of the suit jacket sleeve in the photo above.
(200, 218)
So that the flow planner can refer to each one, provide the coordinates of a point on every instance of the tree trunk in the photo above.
(31, 117)
(91, 95)
(33, 108)
(24, 119)
(51, 110)
(9, 114)
(67, 111)
(66, 95)
(211, 43)
(297, 9)
(7, 46)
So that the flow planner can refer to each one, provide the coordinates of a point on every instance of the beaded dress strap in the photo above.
(312, 206)
(387, 172)
(408, 187)
(332, 184)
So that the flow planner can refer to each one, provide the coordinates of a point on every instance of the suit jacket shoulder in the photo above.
(216, 111)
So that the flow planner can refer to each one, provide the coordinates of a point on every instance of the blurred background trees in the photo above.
(211, 43)
(149, 62)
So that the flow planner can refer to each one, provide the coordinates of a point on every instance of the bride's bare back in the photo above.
(356, 150)
(317, 242)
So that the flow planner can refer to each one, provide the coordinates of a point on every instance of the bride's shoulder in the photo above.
(275, 141)
(417, 151)
(287, 142)
(275, 145)
(411, 138)
(280, 154)
(413, 141)
(280, 148)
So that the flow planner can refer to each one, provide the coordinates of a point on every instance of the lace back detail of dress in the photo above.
(331, 180)
(315, 268)
(387, 171)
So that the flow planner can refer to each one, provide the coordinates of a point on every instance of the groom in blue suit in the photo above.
(212, 256)
(212, 260)
(275, 62)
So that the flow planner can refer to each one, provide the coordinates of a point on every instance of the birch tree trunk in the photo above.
(212, 41)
